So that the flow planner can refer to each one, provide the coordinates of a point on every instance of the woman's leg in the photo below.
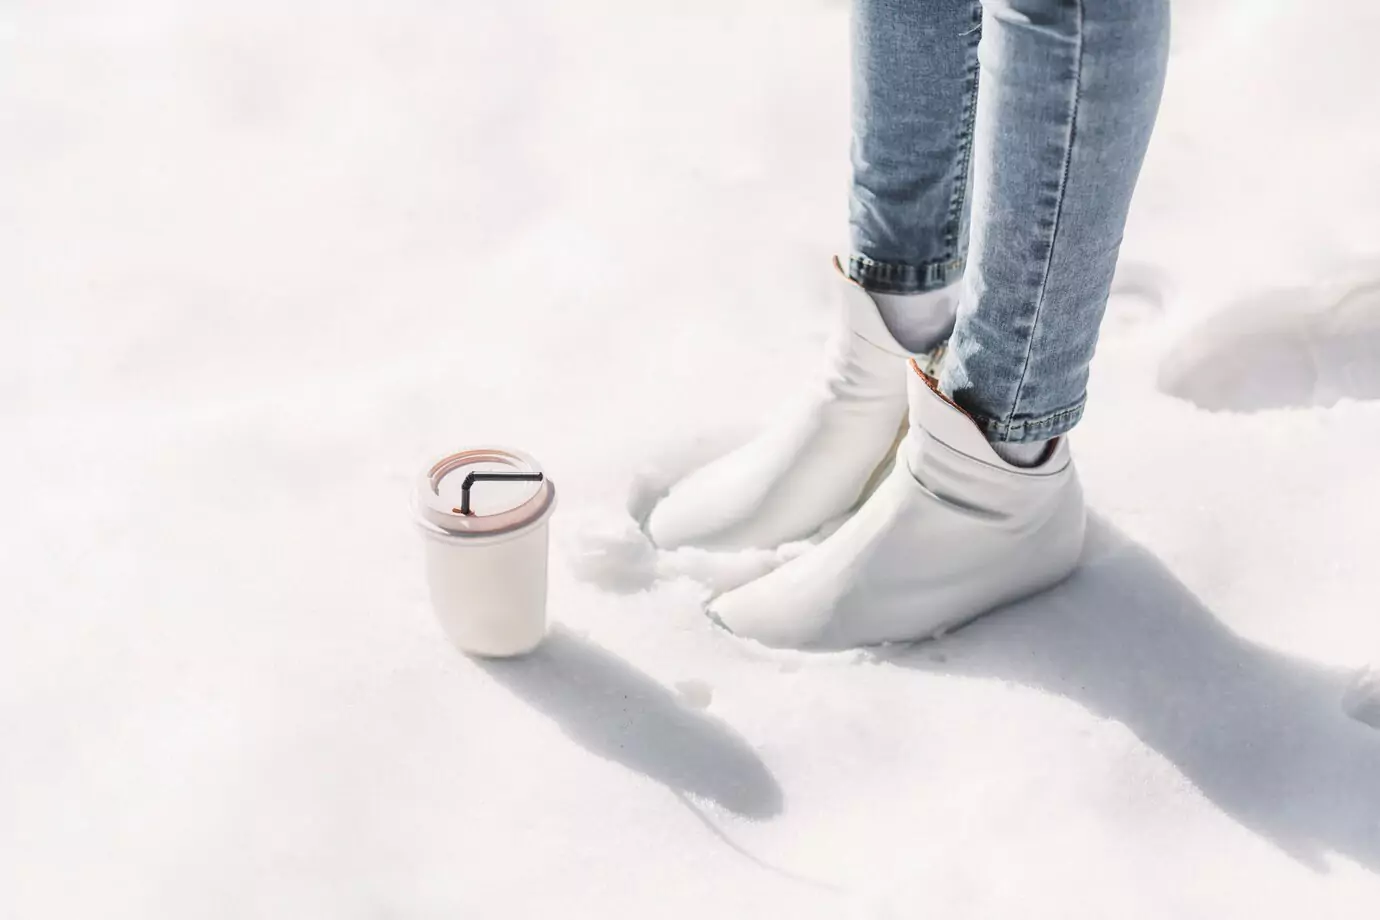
(915, 83)
(1070, 89)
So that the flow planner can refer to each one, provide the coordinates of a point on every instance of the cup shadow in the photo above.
(618, 713)
(1264, 736)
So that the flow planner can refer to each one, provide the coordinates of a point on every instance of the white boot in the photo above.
(813, 465)
(953, 532)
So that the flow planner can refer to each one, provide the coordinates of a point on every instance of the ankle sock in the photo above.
(919, 321)
(1023, 454)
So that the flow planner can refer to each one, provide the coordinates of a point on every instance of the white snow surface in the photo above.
(261, 262)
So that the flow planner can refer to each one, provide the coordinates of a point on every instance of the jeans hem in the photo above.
(1044, 428)
(899, 278)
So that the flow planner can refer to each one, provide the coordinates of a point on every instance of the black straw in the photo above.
(474, 477)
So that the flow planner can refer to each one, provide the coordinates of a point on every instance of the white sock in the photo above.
(1023, 454)
(919, 321)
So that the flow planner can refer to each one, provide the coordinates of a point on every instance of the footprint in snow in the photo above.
(613, 551)
(1292, 348)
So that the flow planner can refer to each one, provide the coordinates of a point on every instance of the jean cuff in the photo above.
(1044, 428)
(899, 278)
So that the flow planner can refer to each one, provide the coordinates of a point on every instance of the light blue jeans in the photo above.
(1033, 175)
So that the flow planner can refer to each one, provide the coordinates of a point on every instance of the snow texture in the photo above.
(261, 262)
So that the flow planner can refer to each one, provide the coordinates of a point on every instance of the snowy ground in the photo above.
(261, 261)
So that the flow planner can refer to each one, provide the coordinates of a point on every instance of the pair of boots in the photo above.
(942, 529)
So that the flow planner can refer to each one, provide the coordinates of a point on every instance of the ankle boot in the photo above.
(813, 465)
(953, 532)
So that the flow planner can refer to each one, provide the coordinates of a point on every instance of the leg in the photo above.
(1070, 89)
(915, 77)
(915, 82)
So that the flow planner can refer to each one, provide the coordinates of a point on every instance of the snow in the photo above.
(261, 262)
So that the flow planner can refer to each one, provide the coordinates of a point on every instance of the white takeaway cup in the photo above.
(484, 516)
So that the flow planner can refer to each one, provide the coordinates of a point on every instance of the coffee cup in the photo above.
(484, 515)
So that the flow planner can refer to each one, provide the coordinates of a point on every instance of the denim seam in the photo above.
(1058, 214)
(1002, 431)
(965, 147)
(901, 278)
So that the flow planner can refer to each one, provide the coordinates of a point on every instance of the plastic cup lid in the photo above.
(507, 491)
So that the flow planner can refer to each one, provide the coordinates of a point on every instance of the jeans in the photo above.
(1033, 175)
